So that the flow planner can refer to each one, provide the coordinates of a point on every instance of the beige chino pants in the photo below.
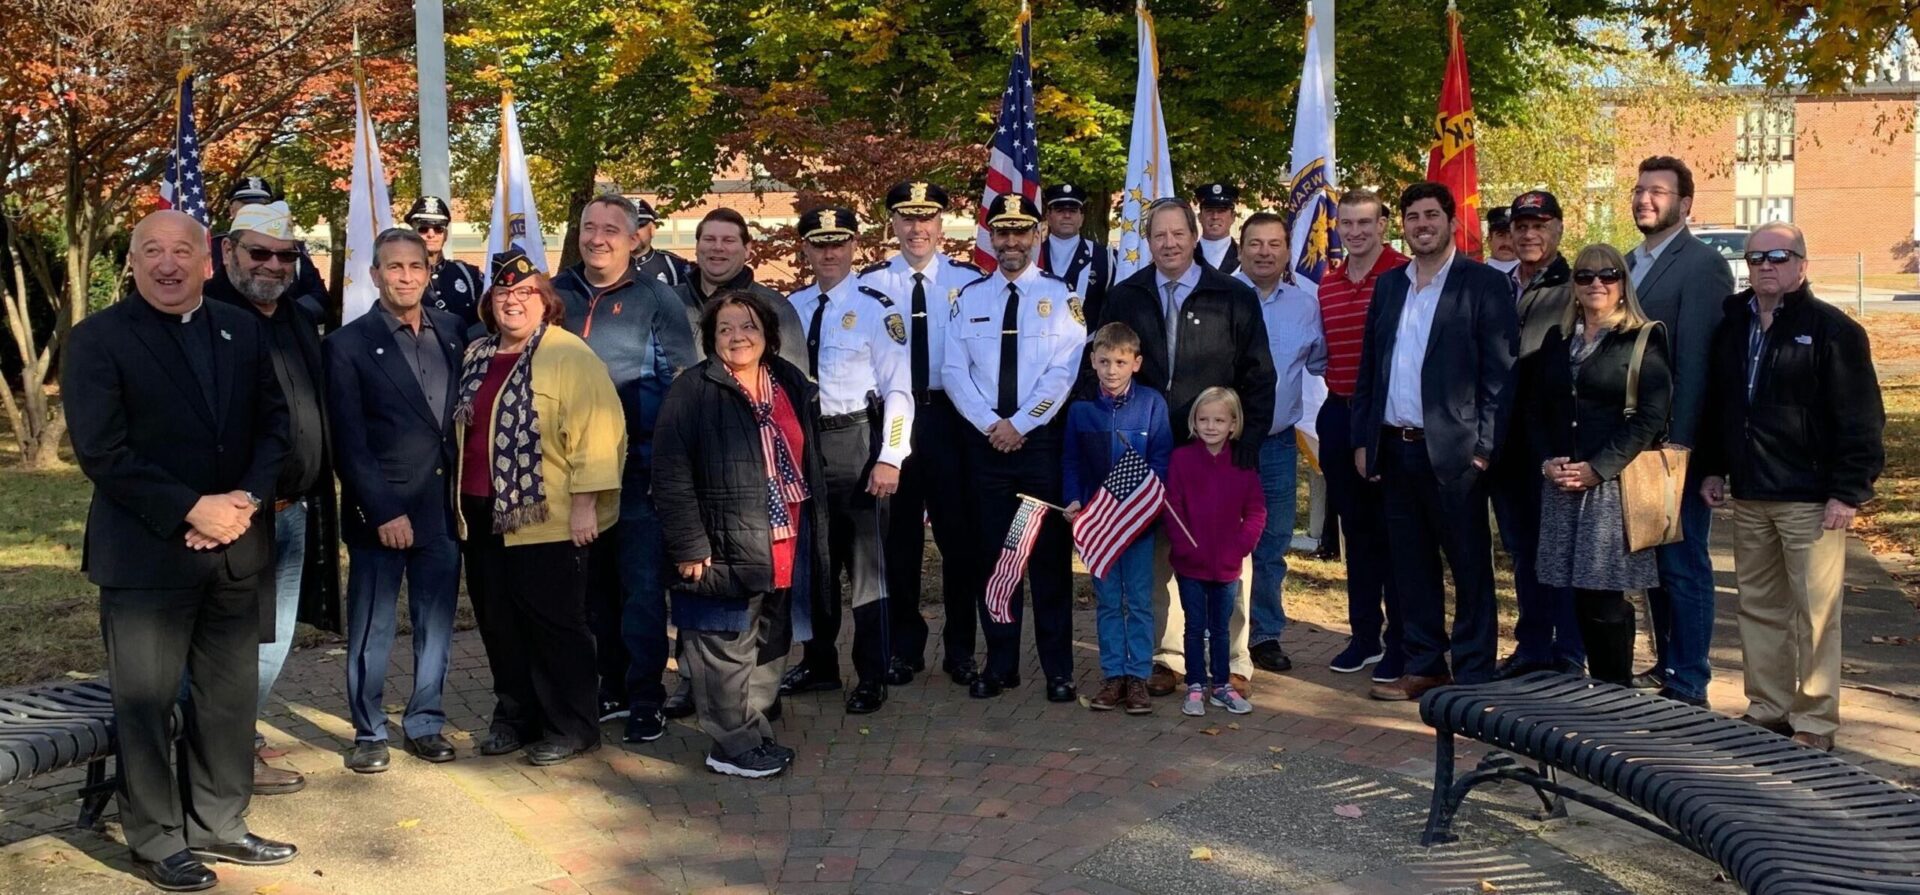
(1790, 572)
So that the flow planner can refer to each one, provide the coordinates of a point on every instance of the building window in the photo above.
(1765, 135)
(1753, 212)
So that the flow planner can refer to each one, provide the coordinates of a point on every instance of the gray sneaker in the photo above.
(1196, 703)
(1230, 699)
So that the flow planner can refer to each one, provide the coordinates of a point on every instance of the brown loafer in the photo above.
(1112, 692)
(1821, 742)
(1162, 681)
(1138, 702)
(1241, 685)
(1780, 727)
(271, 781)
(1408, 687)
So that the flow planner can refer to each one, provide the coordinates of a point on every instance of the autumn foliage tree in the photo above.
(86, 121)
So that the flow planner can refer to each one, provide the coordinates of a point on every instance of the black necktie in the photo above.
(920, 373)
(1010, 355)
(813, 338)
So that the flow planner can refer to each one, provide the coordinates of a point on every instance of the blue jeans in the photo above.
(643, 607)
(1548, 631)
(289, 558)
(1279, 480)
(1123, 611)
(1208, 606)
(431, 569)
(1682, 606)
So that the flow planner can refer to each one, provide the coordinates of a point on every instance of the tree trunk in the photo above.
(578, 195)
(38, 423)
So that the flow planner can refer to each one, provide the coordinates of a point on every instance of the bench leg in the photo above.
(94, 795)
(1445, 803)
(1554, 808)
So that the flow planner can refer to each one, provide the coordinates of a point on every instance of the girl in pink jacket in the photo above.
(1215, 512)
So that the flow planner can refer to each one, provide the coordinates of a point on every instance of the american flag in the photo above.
(1013, 558)
(1013, 163)
(1127, 502)
(183, 189)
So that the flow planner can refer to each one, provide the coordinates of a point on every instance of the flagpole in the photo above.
(363, 134)
(430, 53)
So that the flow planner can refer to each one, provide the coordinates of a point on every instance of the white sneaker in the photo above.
(1230, 699)
(1196, 704)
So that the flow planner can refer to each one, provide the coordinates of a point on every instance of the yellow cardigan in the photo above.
(583, 437)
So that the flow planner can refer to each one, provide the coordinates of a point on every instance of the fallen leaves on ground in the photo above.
(82, 675)
(1850, 668)
(1488, 887)
(1888, 640)
(1210, 731)
(1200, 853)
(409, 823)
(1348, 811)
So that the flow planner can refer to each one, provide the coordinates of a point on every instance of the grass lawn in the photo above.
(1892, 520)
(49, 614)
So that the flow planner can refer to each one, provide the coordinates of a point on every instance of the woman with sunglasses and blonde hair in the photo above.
(1576, 416)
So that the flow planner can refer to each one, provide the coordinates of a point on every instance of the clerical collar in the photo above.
(191, 312)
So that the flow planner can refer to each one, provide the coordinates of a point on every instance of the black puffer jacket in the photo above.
(1584, 417)
(1812, 431)
(710, 481)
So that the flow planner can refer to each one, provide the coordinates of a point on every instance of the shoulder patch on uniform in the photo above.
(874, 268)
(1039, 410)
(965, 265)
(896, 328)
(878, 296)
(1077, 309)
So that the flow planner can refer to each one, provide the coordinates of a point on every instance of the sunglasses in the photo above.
(1607, 275)
(1775, 256)
(259, 255)
(430, 228)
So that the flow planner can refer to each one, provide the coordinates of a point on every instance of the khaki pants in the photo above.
(1790, 573)
(1170, 621)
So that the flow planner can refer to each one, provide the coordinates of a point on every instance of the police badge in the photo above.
(897, 328)
(848, 321)
(460, 286)
(1046, 307)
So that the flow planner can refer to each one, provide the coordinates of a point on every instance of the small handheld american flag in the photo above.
(1126, 504)
(1013, 558)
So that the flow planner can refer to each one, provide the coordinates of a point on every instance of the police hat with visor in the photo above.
(1012, 211)
(916, 198)
(829, 226)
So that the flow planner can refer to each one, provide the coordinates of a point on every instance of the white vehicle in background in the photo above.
(1731, 243)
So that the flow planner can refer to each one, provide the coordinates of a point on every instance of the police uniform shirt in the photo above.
(1051, 331)
(862, 335)
(1062, 256)
(456, 289)
(944, 278)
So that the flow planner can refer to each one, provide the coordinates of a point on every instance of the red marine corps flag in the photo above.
(1452, 160)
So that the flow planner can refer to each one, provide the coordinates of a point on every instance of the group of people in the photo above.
(639, 447)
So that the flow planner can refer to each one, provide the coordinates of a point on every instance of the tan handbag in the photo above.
(1652, 486)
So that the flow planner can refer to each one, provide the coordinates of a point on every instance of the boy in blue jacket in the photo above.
(1124, 414)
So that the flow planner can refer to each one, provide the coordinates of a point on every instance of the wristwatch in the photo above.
(252, 499)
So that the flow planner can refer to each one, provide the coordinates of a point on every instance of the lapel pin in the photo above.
(379, 351)
(226, 335)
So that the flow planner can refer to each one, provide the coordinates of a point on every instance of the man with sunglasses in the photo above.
(1682, 283)
(262, 256)
(455, 285)
(1791, 442)
(1547, 633)
(307, 289)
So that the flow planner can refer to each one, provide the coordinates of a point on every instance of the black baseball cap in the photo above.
(1535, 204)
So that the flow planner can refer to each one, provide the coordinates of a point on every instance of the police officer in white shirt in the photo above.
(1086, 265)
(1219, 203)
(1013, 350)
(933, 485)
(857, 351)
(1293, 337)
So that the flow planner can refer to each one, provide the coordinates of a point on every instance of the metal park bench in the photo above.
(1779, 817)
(52, 727)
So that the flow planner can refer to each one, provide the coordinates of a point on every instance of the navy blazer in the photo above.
(395, 456)
(1466, 380)
(1684, 290)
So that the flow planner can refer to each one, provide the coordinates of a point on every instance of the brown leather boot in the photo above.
(1241, 684)
(1111, 693)
(1162, 681)
(271, 781)
(1408, 687)
(1137, 700)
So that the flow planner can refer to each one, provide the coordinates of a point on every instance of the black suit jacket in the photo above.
(144, 435)
(1684, 290)
(1222, 341)
(395, 456)
(1466, 379)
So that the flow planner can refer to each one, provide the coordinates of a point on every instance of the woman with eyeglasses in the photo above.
(1576, 416)
(542, 441)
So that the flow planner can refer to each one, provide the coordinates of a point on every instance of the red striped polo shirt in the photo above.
(1343, 317)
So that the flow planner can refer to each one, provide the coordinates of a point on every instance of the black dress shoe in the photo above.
(500, 741)
(1060, 690)
(368, 757)
(547, 752)
(1513, 666)
(801, 679)
(899, 673)
(866, 699)
(180, 872)
(680, 704)
(1677, 697)
(251, 851)
(1270, 657)
(432, 747)
(984, 687)
(1651, 679)
(963, 672)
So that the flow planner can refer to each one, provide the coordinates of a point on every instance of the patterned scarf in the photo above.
(519, 494)
(784, 483)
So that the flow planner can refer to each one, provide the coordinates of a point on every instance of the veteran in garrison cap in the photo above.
(1219, 204)
(1013, 352)
(455, 285)
(857, 351)
(1086, 265)
(933, 484)
(308, 290)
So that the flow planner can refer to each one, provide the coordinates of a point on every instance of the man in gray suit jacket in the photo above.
(1681, 283)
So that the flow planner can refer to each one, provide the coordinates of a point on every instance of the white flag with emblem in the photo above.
(1149, 165)
(515, 219)
(369, 211)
